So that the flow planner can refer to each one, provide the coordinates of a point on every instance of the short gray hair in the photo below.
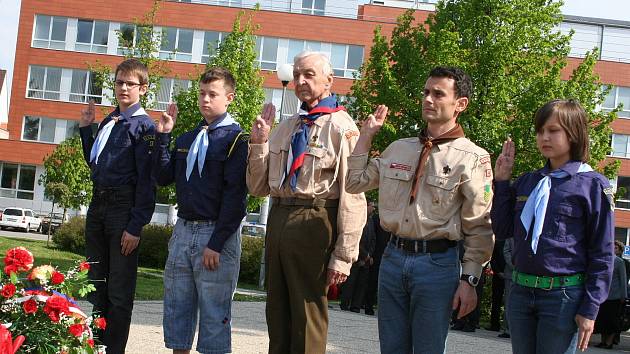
(326, 67)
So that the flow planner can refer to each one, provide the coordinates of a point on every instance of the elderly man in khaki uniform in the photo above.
(314, 225)
(434, 190)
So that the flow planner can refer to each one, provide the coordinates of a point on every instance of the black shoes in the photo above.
(369, 311)
(504, 335)
(355, 309)
(493, 328)
(604, 346)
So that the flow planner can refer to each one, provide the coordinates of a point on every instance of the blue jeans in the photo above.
(190, 288)
(543, 321)
(415, 294)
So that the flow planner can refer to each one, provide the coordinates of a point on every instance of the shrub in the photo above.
(71, 235)
(252, 248)
(154, 245)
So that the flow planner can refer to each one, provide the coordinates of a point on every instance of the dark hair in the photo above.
(572, 118)
(219, 73)
(463, 84)
(134, 67)
(620, 245)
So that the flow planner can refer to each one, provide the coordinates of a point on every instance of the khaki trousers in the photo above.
(298, 246)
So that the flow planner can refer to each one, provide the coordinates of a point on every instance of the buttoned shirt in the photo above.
(332, 138)
(126, 160)
(453, 199)
(219, 194)
(577, 233)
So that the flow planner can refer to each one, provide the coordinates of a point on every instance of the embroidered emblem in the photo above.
(484, 160)
(488, 173)
(182, 150)
(400, 166)
(610, 195)
(487, 193)
(446, 170)
(350, 133)
(521, 198)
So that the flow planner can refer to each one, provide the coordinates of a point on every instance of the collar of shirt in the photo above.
(571, 167)
(222, 121)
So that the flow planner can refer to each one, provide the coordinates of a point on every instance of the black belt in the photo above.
(422, 246)
(107, 192)
(311, 202)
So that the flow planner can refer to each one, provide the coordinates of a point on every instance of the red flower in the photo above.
(57, 278)
(100, 323)
(18, 259)
(30, 306)
(8, 290)
(55, 306)
(7, 345)
(76, 329)
(84, 266)
(90, 342)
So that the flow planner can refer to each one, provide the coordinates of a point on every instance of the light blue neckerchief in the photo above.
(536, 205)
(103, 134)
(199, 147)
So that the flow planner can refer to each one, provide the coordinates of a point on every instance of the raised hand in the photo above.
(88, 115)
(168, 119)
(505, 162)
(374, 122)
(263, 123)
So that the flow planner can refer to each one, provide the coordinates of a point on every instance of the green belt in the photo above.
(547, 283)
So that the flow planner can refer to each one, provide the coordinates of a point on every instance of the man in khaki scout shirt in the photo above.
(434, 190)
(314, 226)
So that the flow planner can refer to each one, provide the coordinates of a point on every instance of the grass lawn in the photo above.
(150, 282)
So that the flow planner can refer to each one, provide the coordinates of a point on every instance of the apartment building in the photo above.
(51, 82)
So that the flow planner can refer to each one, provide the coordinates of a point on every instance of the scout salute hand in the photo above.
(505, 162)
(369, 127)
(262, 124)
(168, 119)
(87, 115)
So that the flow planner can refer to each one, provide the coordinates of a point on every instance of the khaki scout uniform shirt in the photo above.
(453, 198)
(332, 138)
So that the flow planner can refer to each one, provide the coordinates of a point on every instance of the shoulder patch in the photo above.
(610, 195)
(182, 150)
(484, 160)
(521, 198)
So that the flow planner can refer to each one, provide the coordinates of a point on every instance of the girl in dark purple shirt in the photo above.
(562, 222)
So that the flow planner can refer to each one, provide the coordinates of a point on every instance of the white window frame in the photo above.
(205, 58)
(614, 183)
(39, 129)
(17, 189)
(44, 91)
(85, 95)
(626, 155)
(161, 105)
(260, 54)
(49, 41)
(91, 47)
(312, 10)
(177, 55)
(625, 111)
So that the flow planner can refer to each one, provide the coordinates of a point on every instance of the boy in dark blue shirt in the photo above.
(208, 167)
(123, 199)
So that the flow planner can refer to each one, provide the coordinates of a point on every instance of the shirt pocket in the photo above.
(569, 222)
(394, 189)
(213, 166)
(313, 163)
(122, 154)
(440, 194)
(277, 158)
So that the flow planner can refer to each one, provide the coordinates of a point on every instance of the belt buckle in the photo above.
(550, 284)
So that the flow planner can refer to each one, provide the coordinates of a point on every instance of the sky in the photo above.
(610, 9)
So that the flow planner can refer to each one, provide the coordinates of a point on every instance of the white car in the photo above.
(19, 218)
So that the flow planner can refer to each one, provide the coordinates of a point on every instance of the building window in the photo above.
(267, 48)
(176, 44)
(42, 129)
(130, 35)
(92, 36)
(17, 181)
(84, 87)
(168, 89)
(211, 41)
(291, 103)
(623, 184)
(620, 145)
(50, 32)
(621, 234)
(346, 59)
(297, 46)
(618, 95)
(616, 44)
(313, 7)
(585, 37)
(44, 82)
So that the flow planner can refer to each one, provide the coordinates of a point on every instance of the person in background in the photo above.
(507, 277)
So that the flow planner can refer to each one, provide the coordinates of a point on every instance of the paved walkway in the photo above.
(348, 333)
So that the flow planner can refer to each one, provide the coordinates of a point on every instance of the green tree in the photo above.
(139, 41)
(66, 177)
(515, 55)
(237, 53)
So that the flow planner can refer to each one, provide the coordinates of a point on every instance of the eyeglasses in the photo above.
(130, 84)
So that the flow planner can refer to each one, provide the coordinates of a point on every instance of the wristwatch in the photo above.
(471, 279)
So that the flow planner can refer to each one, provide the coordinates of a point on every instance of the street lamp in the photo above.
(285, 74)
